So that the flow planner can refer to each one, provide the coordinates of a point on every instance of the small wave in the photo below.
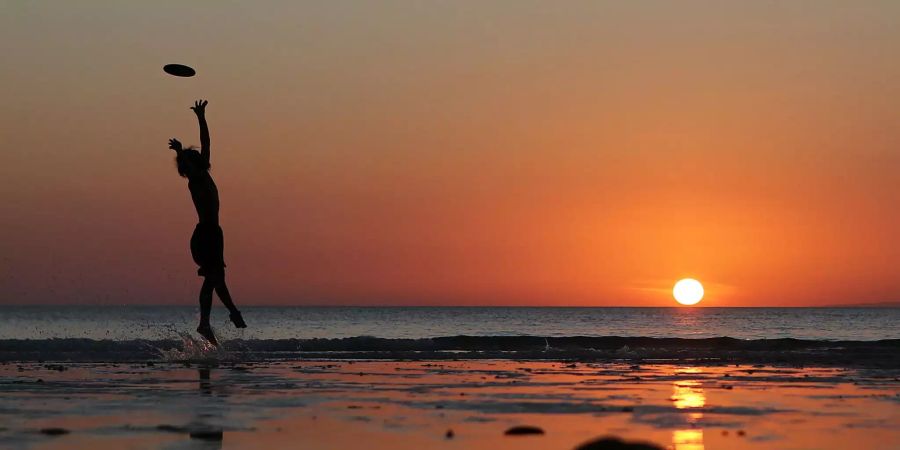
(881, 353)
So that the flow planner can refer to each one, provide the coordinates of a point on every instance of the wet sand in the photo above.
(339, 404)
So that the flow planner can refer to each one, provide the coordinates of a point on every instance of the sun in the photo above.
(688, 291)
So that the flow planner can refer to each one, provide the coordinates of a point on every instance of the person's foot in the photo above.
(238, 320)
(207, 332)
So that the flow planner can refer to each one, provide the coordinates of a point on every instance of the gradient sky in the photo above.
(459, 152)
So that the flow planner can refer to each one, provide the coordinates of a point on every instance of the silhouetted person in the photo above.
(207, 243)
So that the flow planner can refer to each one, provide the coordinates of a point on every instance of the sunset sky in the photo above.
(455, 153)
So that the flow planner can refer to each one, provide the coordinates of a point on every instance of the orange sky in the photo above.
(489, 153)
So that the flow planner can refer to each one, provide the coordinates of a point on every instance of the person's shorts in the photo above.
(207, 249)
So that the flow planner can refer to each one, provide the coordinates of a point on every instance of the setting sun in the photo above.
(688, 291)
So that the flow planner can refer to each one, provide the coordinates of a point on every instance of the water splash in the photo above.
(194, 350)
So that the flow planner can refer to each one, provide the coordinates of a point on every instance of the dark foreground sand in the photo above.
(339, 404)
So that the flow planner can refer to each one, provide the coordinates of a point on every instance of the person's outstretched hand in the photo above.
(200, 107)
(174, 144)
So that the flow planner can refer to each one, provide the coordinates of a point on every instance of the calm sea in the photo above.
(166, 322)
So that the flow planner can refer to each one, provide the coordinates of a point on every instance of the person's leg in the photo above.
(225, 296)
(206, 292)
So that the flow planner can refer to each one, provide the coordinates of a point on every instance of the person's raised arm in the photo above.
(175, 145)
(199, 108)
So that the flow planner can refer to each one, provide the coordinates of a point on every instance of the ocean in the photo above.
(114, 333)
(162, 322)
(118, 376)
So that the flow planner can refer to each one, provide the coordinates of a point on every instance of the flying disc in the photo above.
(179, 70)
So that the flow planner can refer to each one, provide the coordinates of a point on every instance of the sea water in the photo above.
(166, 322)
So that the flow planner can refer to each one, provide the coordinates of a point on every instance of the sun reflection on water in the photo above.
(688, 394)
(687, 439)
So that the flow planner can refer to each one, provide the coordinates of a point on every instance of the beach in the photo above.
(449, 404)
(396, 378)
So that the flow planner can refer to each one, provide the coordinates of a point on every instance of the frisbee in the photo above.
(179, 70)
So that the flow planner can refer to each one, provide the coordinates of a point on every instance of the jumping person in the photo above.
(207, 243)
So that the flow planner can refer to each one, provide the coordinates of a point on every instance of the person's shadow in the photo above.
(205, 383)
(203, 435)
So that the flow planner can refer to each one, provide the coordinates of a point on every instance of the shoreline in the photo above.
(416, 404)
(882, 354)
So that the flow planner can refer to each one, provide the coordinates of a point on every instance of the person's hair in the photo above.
(190, 157)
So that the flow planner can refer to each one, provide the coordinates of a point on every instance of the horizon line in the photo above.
(873, 305)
